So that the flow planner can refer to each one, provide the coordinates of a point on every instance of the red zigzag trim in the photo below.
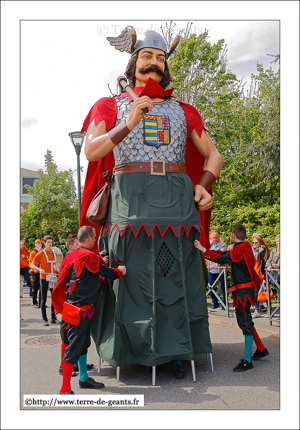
(198, 228)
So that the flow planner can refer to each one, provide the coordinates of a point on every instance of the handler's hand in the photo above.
(198, 245)
(123, 269)
(202, 198)
(137, 113)
(106, 259)
(269, 268)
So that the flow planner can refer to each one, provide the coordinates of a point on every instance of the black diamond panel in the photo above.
(165, 259)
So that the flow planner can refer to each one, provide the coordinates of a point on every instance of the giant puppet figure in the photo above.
(164, 167)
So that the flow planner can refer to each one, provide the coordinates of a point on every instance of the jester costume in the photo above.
(158, 312)
(78, 282)
(244, 281)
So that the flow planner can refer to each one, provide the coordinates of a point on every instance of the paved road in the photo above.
(222, 389)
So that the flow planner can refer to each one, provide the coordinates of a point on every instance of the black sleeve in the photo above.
(224, 258)
(107, 272)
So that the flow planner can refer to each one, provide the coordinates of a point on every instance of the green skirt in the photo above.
(157, 312)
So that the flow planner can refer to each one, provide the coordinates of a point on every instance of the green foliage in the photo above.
(53, 209)
(263, 220)
(245, 130)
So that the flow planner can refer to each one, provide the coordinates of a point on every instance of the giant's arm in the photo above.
(212, 164)
(99, 142)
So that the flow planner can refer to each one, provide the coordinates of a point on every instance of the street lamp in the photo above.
(77, 140)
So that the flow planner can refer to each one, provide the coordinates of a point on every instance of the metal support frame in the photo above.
(154, 369)
(153, 375)
(211, 288)
(270, 312)
(209, 357)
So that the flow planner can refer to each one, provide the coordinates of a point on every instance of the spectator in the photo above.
(273, 262)
(24, 268)
(46, 259)
(261, 254)
(83, 269)
(216, 244)
(35, 274)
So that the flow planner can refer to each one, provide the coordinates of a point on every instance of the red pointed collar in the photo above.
(152, 90)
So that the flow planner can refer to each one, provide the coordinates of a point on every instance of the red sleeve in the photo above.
(211, 255)
(194, 164)
(104, 109)
(118, 272)
(193, 119)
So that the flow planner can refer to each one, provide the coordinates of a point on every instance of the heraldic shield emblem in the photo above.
(157, 130)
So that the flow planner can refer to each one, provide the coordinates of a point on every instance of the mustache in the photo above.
(151, 68)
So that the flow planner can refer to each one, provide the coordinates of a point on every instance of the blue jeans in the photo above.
(211, 279)
(24, 271)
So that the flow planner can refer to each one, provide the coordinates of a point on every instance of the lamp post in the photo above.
(77, 140)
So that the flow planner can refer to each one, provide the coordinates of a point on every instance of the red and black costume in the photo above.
(79, 279)
(244, 281)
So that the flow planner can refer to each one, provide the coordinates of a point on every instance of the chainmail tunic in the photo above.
(133, 148)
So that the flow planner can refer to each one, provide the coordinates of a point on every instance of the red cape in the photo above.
(80, 257)
(243, 250)
(105, 109)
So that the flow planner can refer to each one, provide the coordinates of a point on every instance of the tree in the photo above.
(54, 207)
(245, 130)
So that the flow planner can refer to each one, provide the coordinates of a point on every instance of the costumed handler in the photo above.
(79, 279)
(244, 283)
(164, 166)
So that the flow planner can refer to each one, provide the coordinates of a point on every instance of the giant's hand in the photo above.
(202, 198)
(137, 113)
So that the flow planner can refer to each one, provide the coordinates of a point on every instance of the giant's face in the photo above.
(149, 63)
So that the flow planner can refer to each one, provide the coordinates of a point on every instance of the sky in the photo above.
(55, 64)
(66, 66)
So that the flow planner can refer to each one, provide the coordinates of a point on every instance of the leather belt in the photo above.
(155, 167)
(239, 286)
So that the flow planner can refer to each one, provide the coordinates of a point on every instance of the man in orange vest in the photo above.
(45, 263)
(24, 269)
(35, 274)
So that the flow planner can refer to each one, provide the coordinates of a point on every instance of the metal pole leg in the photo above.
(207, 355)
(99, 364)
(193, 370)
(118, 373)
(153, 374)
(211, 362)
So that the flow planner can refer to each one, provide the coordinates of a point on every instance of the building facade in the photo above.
(27, 177)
